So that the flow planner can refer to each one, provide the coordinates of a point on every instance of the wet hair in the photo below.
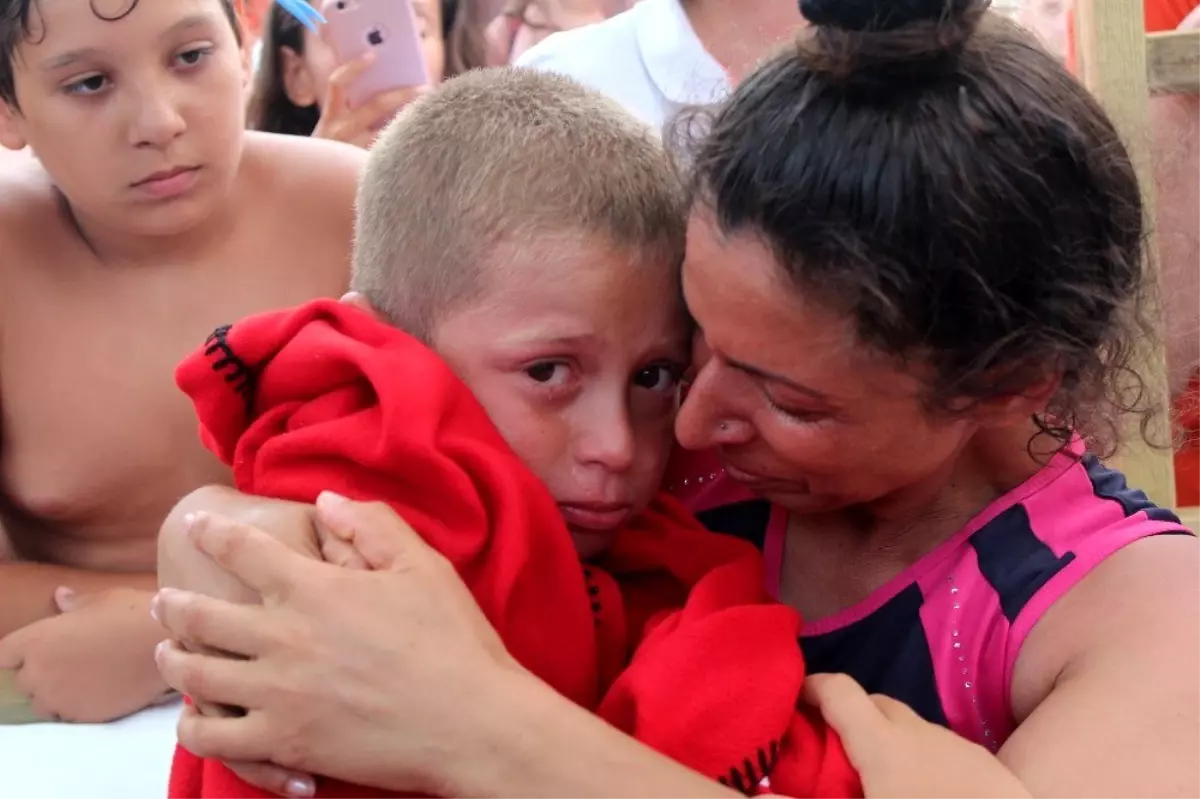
(20, 20)
(925, 167)
(270, 108)
(498, 157)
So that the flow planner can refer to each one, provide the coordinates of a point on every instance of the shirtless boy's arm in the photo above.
(27, 590)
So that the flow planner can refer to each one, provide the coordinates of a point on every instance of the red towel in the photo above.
(324, 397)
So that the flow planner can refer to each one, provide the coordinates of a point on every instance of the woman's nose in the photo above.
(706, 418)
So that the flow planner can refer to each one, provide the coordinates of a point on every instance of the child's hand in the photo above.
(91, 663)
(897, 753)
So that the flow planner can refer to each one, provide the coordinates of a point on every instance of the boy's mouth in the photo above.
(595, 516)
(168, 182)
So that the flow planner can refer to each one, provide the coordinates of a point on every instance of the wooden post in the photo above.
(1173, 62)
(1112, 44)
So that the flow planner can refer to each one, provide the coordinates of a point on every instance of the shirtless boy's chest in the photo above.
(98, 443)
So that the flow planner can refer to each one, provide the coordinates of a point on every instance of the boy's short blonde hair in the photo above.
(499, 156)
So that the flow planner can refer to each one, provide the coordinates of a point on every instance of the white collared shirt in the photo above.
(648, 59)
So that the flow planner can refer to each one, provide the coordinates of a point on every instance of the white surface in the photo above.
(648, 59)
(127, 759)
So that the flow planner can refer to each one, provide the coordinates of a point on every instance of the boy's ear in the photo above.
(248, 48)
(362, 303)
(11, 136)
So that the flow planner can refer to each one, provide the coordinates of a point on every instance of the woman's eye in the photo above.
(89, 85)
(549, 373)
(659, 378)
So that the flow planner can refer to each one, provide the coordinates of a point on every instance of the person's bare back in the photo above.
(147, 219)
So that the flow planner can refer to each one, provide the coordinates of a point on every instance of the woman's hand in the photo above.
(379, 678)
(897, 753)
(359, 126)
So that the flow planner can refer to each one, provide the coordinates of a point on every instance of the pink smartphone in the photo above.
(387, 27)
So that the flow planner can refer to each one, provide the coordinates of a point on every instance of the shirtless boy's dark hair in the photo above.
(20, 20)
(504, 156)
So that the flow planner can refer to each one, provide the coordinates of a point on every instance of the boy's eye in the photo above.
(550, 373)
(190, 58)
(89, 85)
(661, 378)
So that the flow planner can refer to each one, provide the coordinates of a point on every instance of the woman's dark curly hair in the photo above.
(925, 166)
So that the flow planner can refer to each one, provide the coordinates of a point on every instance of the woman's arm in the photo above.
(1107, 685)
(389, 678)
(1105, 689)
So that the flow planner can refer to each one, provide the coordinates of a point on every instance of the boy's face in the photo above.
(576, 353)
(138, 118)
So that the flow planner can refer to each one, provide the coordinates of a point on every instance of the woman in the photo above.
(299, 86)
(664, 55)
(517, 25)
(915, 261)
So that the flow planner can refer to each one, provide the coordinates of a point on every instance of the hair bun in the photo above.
(859, 38)
(881, 15)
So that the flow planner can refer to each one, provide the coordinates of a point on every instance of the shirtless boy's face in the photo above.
(576, 354)
(134, 108)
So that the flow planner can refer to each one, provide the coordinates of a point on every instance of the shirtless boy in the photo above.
(147, 218)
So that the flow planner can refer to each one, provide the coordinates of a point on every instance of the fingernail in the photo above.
(191, 521)
(300, 787)
(330, 500)
(63, 595)
(154, 601)
(160, 649)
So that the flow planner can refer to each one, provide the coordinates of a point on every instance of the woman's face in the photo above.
(800, 411)
(521, 24)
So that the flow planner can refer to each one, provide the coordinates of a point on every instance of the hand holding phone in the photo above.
(388, 30)
(359, 125)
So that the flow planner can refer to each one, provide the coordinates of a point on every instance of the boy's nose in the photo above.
(607, 441)
(156, 123)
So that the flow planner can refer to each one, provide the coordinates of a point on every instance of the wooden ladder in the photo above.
(1122, 66)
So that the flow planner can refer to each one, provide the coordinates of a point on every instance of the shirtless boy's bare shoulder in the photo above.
(148, 219)
(309, 185)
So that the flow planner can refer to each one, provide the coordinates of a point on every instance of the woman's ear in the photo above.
(297, 79)
(12, 137)
(1018, 408)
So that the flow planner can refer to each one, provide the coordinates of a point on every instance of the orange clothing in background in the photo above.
(1161, 15)
(252, 14)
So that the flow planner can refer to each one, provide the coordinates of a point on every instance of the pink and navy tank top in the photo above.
(943, 635)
